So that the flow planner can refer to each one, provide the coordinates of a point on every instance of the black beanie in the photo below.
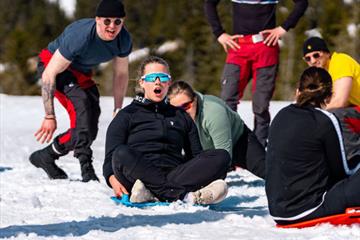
(314, 44)
(110, 8)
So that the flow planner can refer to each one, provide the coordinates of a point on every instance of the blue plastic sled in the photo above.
(124, 200)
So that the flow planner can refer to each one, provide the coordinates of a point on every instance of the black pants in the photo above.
(342, 195)
(79, 95)
(82, 105)
(83, 108)
(169, 184)
(248, 153)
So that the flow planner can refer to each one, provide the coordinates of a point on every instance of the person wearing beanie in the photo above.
(345, 102)
(65, 67)
(252, 53)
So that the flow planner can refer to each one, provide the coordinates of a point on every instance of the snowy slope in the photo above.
(33, 207)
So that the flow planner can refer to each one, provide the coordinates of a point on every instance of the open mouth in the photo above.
(110, 31)
(157, 90)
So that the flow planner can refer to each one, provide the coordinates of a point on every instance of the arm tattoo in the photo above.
(48, 90)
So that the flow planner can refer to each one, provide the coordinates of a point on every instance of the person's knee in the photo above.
(122, 155)
(260, 107)
(222, 158)
(351, 189)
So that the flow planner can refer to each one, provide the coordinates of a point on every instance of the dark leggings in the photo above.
(248, 153)
(169, 184)
(342, 195)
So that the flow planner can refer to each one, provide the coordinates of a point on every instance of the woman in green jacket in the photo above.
(220, 127)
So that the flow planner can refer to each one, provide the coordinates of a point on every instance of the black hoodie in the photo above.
(156, 129)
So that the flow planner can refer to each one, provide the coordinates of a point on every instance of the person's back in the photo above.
(307, 175)
(211, 112)
(297, 158)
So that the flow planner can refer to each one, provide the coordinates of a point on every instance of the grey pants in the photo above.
(234, 81)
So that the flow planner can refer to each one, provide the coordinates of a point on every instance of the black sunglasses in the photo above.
(315, 56)
(186, 106)
(107, 21)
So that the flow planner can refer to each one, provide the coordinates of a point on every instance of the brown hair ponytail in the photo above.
(315, 87)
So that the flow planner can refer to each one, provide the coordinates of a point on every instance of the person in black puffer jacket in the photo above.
(158, 144)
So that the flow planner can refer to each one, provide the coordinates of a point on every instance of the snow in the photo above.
(67, 5)
(352, 29)
(34, 207)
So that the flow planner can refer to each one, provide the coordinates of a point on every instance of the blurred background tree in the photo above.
(25, 28)
(28, 26)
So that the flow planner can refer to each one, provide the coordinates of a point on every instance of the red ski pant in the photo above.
(254, 61)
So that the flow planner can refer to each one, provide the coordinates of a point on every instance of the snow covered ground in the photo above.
(33, 207)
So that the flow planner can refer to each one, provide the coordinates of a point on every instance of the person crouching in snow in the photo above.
(144, 144)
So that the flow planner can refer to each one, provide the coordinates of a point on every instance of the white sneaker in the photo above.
(213, 193)
(140, 194)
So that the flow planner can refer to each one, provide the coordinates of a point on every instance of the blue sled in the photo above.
(124, 200)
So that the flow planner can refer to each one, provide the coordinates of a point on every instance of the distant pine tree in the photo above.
(26, 28)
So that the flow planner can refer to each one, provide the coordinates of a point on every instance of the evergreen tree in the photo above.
(85, 8)
(27, 27)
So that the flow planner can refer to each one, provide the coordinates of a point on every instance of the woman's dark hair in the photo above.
(315, 87)
(181, 87)
(151, 59)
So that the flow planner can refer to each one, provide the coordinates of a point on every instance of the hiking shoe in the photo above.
(213, 193)
(45, 159)
(87, 170)
(140, 194)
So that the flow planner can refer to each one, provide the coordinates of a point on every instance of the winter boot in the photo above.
(213, 193)
(45, 159)
(87, 169)
(140, 194)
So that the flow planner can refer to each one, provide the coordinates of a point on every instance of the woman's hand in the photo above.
(118, 188)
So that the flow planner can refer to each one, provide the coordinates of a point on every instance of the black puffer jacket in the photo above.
(158, 130)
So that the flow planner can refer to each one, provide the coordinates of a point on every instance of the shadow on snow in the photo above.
(3, 169)
(110, 224)
(240, 182)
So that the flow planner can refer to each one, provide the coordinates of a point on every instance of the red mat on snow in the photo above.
(351, 215)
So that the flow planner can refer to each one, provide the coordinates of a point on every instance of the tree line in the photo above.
(28, 26)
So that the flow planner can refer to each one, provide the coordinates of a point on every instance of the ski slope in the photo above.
(34, 207)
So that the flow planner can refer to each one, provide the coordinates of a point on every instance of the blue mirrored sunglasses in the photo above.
(151, 77)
